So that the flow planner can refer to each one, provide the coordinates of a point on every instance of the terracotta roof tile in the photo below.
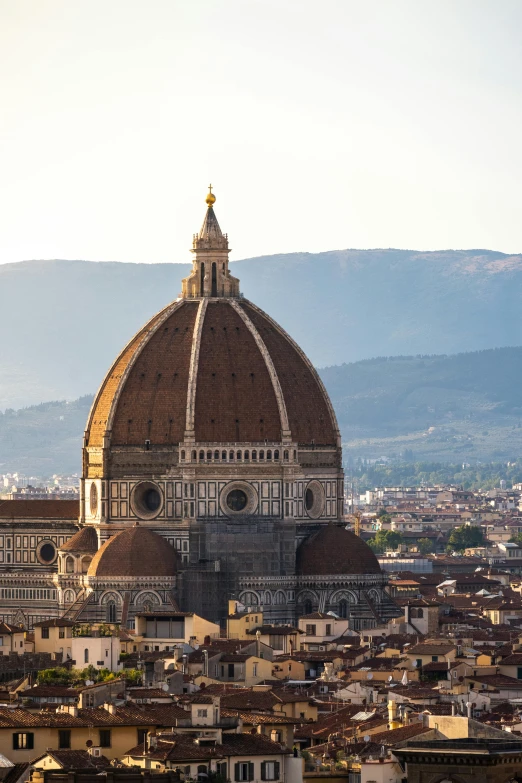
(135, 551)
(335, 550)
(40, 509)
(85, 540)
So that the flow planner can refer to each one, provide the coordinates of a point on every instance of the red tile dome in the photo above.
(135, 551)
(333, 550)
(227, 370)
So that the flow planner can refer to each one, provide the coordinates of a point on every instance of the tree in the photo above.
(58, 676)
(516, 539)
(464, 537)
(385, 539)
(425, 546)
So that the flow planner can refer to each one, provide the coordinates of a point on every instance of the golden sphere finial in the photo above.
(210, 199)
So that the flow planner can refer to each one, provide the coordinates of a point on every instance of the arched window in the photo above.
(182, 455)
(238, 455)
(307, 606)
(343, 608)
(194, 456)
(285, 456)
(214, 279)
(276, 454)
(249, 599)
(209, 455)
(231, 455)
(110, 612)
(224, 455)
(216, 455)
(202, 769)
(261, 454)
(268, 598)
(69, 565)
(295, 454)
(69, 597)
(202, 280)
(86, 561)
(269, 454)
(86, 655)
(254, 456)
(201, 456)
(420, 612)
(247, 455)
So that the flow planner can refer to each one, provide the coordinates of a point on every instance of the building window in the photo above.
(328, 629)
(434, 658)
(254, 670)
(110, 612)
(202, 713)
(86, 655)
(269, 770)
(61, 633)
(105, 738)
(45, 633)
(64, 739)
(244, 770)
(142, 736)
(23, 740)
(230, 669)
(310, 630)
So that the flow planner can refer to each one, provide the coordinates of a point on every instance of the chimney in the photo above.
(152, 740)
(468, 707)
(453, 708)
(111, 708)
(205, 663)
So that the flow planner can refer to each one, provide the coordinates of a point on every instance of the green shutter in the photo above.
(15, 742)
(276, 770)
(236, 771)
(250, 770)
(30, 741)
(263, 770)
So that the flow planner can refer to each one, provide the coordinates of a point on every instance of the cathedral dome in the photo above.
(222, 369)
(333, 550)
(135, 551)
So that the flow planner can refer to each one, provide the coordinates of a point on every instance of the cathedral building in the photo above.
(212, 469)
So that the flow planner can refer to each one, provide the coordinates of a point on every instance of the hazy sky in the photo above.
(322, 124)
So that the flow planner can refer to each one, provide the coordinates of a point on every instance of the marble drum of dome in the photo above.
(211, 411)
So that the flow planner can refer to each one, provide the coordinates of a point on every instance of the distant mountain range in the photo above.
(466, 407)
(63, 322)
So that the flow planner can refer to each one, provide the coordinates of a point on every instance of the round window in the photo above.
(237, 500)
(309, 499)
(46, 552)
(151, 499)
(93, 499)
(314, 500)
(146, 500)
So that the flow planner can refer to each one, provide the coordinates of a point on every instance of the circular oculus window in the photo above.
(93, 500)
(46, 552)
(146, 500)
(314, 499)
(238, 498)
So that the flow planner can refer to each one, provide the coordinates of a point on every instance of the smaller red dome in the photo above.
(135, 551)
(335, 551)
(85, 540)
